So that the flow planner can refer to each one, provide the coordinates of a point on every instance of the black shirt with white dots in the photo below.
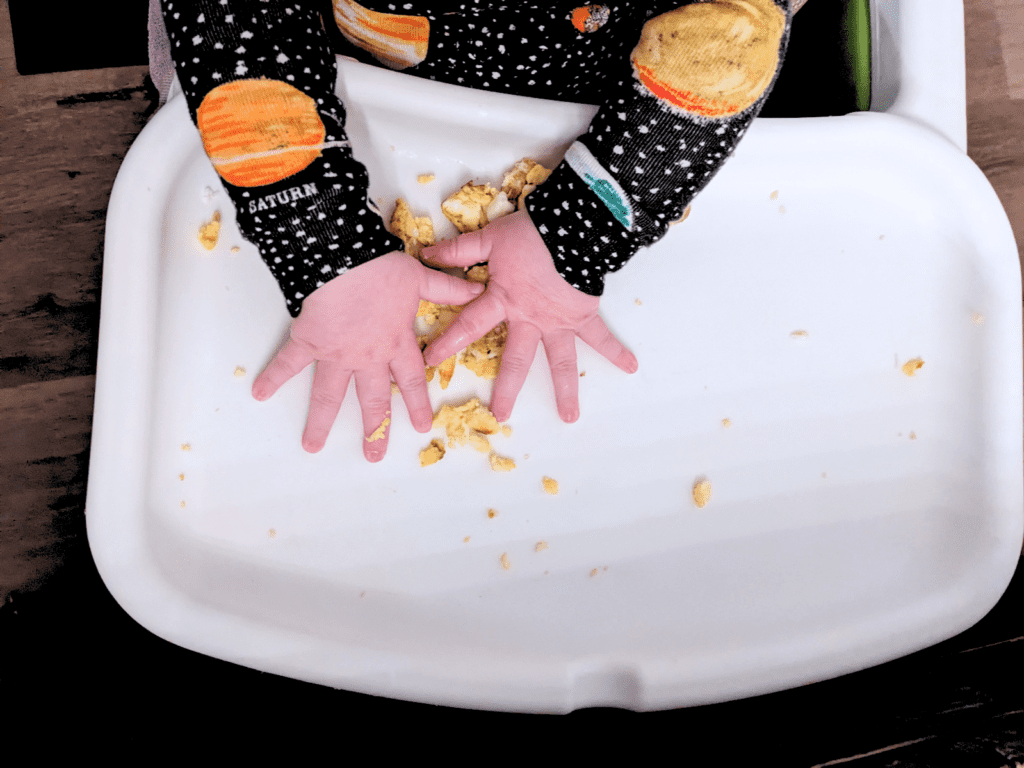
(663, 129)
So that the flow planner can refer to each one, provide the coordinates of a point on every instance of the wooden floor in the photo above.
(62, 138)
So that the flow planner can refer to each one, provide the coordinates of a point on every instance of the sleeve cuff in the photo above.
(581, 231)
(312, 229)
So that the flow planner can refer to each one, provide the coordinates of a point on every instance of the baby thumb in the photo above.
(464, 251)
(441, 288)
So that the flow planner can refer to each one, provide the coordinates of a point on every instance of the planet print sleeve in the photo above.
(258, 77)
(700, 74)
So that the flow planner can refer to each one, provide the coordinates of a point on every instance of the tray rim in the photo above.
(117, 541)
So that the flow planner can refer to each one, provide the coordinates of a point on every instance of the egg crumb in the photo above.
(272, 533)
(470, 423)
(522, 179)
(912, 366)
(774, 195)
(478, 274)
(432, 454)
(483, 356)
(181, 476)
(977, 318)
(501, 463)
(726, 423)
(239, 371)
(459, 421)
(425, 178)
(504, 561)
(550, 485)
(467, 209)
(540, 545)
(416, 232)
(378, 433)
(186, 447)
(492, 513)
(182, 505)
(235, 249)
(210, 232)
(480, 442)
(701, 492)
(465, 540)
(799, 335)
(681, 219)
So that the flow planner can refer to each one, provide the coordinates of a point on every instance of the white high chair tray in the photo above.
(857, 513)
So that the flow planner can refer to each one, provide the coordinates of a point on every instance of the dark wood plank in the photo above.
(995, 118)
(45, 432)
(63, 137)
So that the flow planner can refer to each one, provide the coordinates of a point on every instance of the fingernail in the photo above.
(571, 416)
(476, 288)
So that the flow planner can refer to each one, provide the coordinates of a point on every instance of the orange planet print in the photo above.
(590, 18)
(257, 132)
(713, 59)
(397, 41)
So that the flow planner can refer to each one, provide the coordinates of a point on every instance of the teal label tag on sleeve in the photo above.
(601, 182)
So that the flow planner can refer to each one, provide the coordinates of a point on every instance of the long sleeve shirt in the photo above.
(677, 84)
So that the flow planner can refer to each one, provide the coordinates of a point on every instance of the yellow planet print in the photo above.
(713, 59)
(396, 41)
(257, 132)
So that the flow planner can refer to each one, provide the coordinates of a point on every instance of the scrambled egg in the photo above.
(912, 366)
(378, 434)
(467, 208)
(701, 492)
(524, 177)
(432, 454)
(209, 232)
(415, 232)
(501, 463)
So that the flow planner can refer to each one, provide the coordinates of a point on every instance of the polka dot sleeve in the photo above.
(258, 77)
(697, 77)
